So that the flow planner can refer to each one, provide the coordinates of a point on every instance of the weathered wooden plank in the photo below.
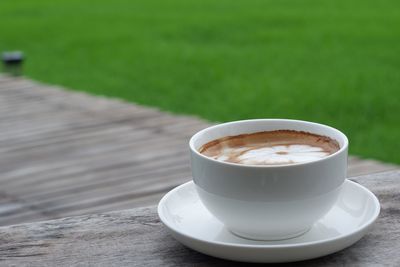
(10, 207)
(25, 215)
(13, 211)
(45, 120)
(90, 160)
(67, 129)
(104, 197)
(126, 130)
(97, 165)
(103, 134)
(140, 201)
(123, 202)
(74, 123)
(137, 238)
(84, 173)
(94, 179)
(121, 183)
(88, 142)
(61, 124)
(369, 166)
(75, 149)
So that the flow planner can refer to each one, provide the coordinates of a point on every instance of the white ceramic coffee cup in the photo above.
(268, 202)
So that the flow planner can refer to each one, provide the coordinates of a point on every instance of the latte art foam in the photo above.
(271, 148)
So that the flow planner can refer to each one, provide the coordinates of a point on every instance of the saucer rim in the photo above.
(356, 231)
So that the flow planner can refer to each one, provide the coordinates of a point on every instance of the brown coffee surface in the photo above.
(271, 148)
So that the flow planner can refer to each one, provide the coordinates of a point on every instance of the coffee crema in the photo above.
(270, 148)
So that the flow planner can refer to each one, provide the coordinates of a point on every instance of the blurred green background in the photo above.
(334, 62)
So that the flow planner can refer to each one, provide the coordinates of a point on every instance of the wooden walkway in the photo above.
(67, 153)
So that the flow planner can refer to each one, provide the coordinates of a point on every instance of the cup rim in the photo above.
(196, 135)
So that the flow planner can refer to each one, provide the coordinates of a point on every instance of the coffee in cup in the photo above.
(270, 148)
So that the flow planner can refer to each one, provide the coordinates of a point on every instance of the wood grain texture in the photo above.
(137, 238)
(65, 152)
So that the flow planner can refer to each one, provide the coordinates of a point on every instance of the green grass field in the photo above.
(334, 62)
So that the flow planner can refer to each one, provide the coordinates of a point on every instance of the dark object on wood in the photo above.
(137, 238)
(13, 62)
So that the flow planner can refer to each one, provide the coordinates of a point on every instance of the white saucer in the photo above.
(190, 223)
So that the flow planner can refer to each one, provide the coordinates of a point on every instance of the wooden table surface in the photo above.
(66, 153)
(137, 238)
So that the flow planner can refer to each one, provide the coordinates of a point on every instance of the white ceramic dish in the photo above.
(190, 222)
